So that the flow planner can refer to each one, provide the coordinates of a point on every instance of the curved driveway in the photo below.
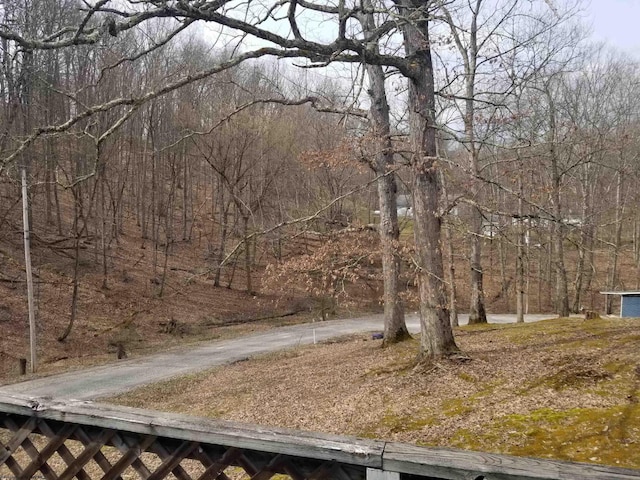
(126, 375)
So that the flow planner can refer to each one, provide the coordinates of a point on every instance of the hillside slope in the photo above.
(129, 311)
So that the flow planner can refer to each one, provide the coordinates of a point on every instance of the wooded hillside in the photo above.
(178, 180)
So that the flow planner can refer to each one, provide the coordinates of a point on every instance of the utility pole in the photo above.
(27, 265)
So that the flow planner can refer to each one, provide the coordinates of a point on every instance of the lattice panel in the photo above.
(31, 447)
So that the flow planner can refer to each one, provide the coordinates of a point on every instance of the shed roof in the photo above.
(621, 293)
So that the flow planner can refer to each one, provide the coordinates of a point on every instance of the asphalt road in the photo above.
(125, 375)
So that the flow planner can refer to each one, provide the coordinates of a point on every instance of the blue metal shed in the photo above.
(629, 303)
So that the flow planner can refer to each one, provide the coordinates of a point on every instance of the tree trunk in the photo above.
(224, 218)
(48, 180)
(520, 270)
(562, 290)
(584, 266)
(58, 209)
(612, 277)
(103, 227)
(185, 193)
(395, 329)
(451, 271)
(247, 253)
(76, 270)
(168, 227)
(477, 313)
(469, 54)
(436, 334)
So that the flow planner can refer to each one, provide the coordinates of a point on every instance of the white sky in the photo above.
(616, 22)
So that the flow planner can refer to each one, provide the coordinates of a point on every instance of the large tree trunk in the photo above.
(395, 329)
(436, 333)
(437, 336)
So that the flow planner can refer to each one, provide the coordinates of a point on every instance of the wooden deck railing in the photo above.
(59, 440)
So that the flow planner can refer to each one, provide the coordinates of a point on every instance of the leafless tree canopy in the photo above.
(259, 126)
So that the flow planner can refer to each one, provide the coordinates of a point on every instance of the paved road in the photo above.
(126, 375)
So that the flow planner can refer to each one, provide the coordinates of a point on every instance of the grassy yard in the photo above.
(563, 388)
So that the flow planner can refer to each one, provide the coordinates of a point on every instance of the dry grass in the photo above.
(564, 389)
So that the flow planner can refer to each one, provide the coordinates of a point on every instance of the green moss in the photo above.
(610, 436)
(545, 330)
(606, 340)
(621, 384)
(407, 423)
(466, 377)
(530, 333)
(616, 368)
(481, 327)
(458, 406)
(462, 406)
(392, 423)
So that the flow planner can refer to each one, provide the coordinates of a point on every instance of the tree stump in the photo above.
(121, 352)
(23, 366)
(590, 314)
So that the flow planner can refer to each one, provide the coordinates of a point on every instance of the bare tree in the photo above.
(437, 337)
(395, 329)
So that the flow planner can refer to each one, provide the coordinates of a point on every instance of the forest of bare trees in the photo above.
(266, 135)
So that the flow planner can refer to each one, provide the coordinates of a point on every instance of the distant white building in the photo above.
(489, 230)
(572, 221)
(403, 205)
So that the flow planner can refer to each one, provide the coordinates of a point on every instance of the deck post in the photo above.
(375, 474)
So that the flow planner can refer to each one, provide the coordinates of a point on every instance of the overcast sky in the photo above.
(616, 22)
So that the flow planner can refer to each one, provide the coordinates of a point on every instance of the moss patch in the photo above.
(458, 406)
(610, 436)
(393, 423)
